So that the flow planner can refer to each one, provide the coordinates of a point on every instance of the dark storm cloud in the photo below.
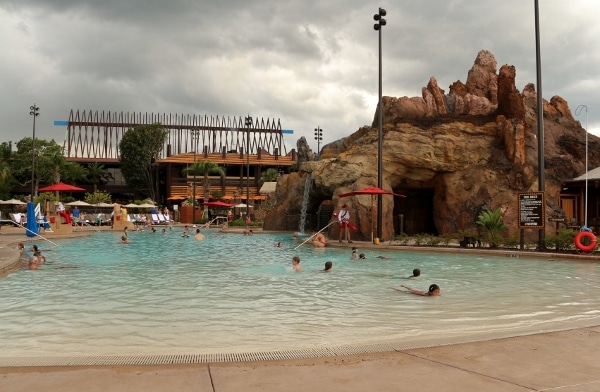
(308, 63)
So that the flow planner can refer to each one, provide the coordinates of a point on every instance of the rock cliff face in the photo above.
(451, 154)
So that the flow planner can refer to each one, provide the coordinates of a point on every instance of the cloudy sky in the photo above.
(308, 63)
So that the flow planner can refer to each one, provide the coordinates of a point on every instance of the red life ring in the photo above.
(590, 246)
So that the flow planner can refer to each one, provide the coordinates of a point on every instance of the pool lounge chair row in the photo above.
(161, 219)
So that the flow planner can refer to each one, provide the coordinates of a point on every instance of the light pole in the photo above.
(195, 133)
(33, 111)
(318, 138)
(378, 17)
(577, 113)
(540, 121)
(248, 124)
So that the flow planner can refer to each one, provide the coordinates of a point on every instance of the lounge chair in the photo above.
(155, 220)
(161, 219)
(19, 219)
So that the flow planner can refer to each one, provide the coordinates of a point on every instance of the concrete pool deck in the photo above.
(564, 361)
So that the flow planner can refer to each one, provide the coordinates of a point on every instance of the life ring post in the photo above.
(593, 241)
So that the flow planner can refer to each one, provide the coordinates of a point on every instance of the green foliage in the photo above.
(492, 222)
(42, 197)
(139, 148)
(204, 168)
(269, 175)
(512, 241)
(97, 197)
(237, 222)
(446, 238)
(419, 239)
(562, 240)
(49, 161)
(98, 174)
(432, 240)
(73, 173)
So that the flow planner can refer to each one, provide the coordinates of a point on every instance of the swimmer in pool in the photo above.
(296, 264)
(354, 253)
(199, 236)
(34, 261)
(328, 266)
(124, 239)
(319, 241)
(416, 274)
(434, 291)
(362, 256)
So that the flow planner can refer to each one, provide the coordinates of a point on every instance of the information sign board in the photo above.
(531, 210)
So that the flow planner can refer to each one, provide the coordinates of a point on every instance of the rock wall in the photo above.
(473, 148)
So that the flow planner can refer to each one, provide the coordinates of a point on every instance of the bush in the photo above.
(492, 222)
(562, 240)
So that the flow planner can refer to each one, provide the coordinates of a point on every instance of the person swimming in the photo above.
(434, 291)
(328, 267)
(296, 264)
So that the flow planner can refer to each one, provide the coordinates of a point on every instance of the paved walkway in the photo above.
(566, 361)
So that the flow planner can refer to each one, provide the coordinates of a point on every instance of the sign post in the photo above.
(532, 211)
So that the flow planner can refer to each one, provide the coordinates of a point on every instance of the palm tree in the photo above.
(492, 222)
(204, 168)
(98, 174)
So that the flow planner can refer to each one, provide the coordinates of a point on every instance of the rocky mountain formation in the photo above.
(453, 154)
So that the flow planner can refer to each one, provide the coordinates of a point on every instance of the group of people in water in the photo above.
(319, 241)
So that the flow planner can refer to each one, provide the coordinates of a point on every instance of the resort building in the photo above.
(243, 146)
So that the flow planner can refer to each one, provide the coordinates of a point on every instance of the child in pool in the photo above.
(296, 264)
(434, 291)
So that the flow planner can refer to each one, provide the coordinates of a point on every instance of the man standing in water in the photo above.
(344, 218)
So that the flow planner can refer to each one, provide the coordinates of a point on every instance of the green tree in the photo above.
(269, 175)
(98, 174)
(204, 168)
(6, 180)
(49, 161)
(492, 222)
(139, 149)
(73, 172)
(97, 197)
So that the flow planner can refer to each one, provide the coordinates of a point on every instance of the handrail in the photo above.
(37, 234)
(329, 224)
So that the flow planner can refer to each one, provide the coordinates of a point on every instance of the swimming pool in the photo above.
(231, 293)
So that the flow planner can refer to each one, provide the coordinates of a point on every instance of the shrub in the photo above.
(492, 222)
(562, 240)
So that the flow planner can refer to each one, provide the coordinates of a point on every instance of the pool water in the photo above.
(162, 294)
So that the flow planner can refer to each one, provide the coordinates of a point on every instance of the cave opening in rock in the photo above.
(414, 214)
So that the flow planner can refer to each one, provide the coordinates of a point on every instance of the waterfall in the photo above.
(307, 189)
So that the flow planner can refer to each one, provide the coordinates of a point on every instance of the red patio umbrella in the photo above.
(372, 191)
(61, 187)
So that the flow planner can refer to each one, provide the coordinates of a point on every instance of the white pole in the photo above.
(577, 112)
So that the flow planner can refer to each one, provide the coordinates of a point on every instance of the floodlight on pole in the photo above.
(248, 123)
(318, 138)
(195, 134)
(378, 17)
(33, 111)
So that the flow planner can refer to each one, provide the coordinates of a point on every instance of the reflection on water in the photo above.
(231, 293)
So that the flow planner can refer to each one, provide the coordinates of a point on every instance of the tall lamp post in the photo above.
(318, 138)
(378, 17)
(195, 133)
(248, 124)
(33, 111)
(540, 119)
(577, 113)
